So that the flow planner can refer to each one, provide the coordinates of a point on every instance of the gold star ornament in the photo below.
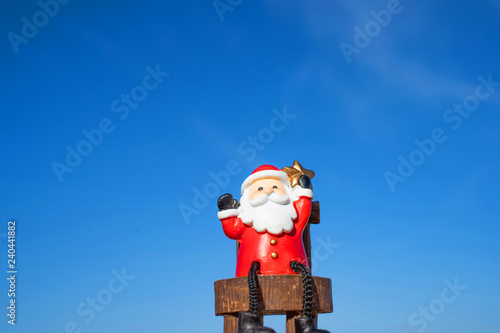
(295, 171)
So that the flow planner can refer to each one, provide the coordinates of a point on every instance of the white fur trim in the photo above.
(302, 192)
(224, 214)
(282, 176)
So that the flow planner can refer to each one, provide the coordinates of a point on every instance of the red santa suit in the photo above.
(274, 252)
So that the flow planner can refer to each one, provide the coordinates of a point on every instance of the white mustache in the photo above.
(274, 197)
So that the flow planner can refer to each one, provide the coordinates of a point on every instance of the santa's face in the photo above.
(266, 205)
(267, 186)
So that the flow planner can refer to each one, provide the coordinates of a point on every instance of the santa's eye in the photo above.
(261, 188)
(275, 186)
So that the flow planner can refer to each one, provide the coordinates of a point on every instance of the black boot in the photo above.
(306, 325)
(250, 323)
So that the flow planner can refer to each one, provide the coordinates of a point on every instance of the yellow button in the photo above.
(274, 255)
(273, 241)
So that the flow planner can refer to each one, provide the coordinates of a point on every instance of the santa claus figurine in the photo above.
(268, 223)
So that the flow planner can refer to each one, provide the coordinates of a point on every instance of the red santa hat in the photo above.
(265, 171)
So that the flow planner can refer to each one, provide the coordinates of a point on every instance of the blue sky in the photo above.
(403, 135)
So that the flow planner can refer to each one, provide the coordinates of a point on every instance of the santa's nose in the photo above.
(268, 190)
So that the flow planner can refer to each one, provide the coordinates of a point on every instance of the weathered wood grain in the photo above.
(314, 218)
(278, 294)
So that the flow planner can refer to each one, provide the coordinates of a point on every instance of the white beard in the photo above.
(274, 213)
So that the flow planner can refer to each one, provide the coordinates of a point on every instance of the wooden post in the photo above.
(290, 321)
(306, 236)
(231, 323)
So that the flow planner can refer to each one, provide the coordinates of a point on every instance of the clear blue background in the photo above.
(120, 207)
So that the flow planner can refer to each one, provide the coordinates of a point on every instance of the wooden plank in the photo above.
(278, 294)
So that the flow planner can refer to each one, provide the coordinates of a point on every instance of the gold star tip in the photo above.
(295, 171)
